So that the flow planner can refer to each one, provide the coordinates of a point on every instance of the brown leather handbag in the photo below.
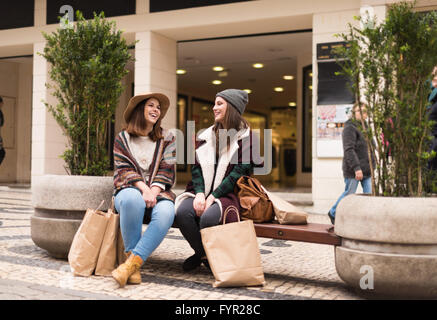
(254, 202)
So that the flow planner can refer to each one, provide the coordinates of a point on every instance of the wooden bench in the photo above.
(311, 232)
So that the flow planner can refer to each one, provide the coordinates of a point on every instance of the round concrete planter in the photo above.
(60, 202)
(389, 246)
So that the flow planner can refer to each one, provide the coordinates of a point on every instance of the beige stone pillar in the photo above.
(303, 60)
(327, 178)
(40, 13)
(24, 122)
(155, 69)
(48, 142)
(142, 6)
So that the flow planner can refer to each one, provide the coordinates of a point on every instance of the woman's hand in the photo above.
(150, 198)
(199, 204)
(148, 195)
(209, 201)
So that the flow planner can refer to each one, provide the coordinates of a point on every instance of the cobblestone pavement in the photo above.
(293, 270)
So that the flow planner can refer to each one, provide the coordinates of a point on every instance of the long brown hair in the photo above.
(232, 120)
(137, 123)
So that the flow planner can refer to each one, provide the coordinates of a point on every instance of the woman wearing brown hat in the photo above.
(144, 173)
(215, 173)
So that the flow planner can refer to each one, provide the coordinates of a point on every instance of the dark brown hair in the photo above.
(137, 123)
(232, 120)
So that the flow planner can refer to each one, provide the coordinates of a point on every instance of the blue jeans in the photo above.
(132, 207)
(351, 188)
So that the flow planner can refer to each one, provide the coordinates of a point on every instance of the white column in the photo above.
(40, 13)
(303, 178)
(155, 69)
(24, 123)
(48, 142)
(327, 175)
(327, 178)
(142, 6)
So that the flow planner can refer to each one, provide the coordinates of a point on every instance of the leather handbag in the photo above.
(255, 203)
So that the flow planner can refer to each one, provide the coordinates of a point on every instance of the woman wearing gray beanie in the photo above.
(210, 193)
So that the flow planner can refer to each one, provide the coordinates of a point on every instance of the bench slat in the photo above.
(311, 232)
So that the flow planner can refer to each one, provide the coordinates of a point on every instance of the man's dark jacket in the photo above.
(355, 151)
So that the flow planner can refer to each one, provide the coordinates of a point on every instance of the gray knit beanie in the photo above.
(238, 98)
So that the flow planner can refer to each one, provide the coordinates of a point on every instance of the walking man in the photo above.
(356, 166)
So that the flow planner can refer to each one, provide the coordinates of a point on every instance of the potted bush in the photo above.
(389, 238)
(87, 61)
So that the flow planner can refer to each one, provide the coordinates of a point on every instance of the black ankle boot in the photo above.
(191, 263)
(206, 263)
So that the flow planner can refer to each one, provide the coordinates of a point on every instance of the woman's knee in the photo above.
(184, 211)
(210, 217)
(165, 211)
(129, 199)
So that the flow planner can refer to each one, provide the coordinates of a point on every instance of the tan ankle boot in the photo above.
(127, 269)
(135, 278)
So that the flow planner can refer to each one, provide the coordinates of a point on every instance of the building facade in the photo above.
(287, 38)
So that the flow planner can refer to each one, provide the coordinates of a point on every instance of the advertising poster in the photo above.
(330, 124)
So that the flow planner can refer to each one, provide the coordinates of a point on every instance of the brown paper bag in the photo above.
(233, 253)
(285, 212)
(107, 259)
(87, 241)
(121, 255)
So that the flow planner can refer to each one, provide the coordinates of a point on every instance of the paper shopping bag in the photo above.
(107, 259)
(87, 241)
(233, 253)
(121, 255)
(285, 212)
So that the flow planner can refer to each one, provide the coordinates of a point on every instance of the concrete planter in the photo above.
(60, 202)
(389, 244)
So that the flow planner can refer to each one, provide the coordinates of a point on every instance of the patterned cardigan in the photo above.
(162, 169)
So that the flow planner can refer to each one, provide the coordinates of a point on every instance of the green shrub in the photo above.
(389, 66)
(88, 62)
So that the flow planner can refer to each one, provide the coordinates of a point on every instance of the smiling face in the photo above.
(219, 109)
(152, 111)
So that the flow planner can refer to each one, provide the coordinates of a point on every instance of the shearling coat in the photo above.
(215, 175)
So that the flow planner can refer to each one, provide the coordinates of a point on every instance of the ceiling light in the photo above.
(311, 74)
(292, 104)
(288, 77)
(181, 71)
(216, 82)
(258, 65)
(311, 87)
(278, 89)
(218, 68)
(247, 90)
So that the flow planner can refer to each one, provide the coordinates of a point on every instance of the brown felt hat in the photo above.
(134, 101)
